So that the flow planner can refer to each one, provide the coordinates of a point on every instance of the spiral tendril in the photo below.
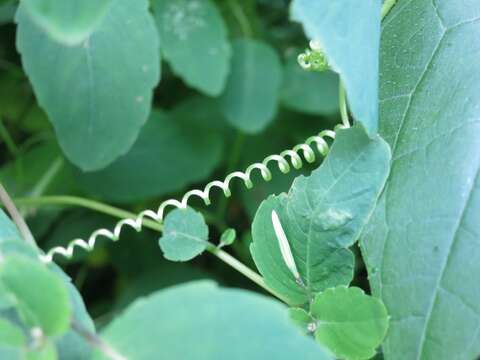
(284, 161)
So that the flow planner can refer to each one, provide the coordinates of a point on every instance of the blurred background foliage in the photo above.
(191, 138)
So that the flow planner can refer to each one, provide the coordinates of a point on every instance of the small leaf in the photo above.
(199, 320)
(185, 235)
(67, 21)
(250, 99)
(228, 237)
(100, 95)
(321, 216)
(302, 319)
(349, 34)
(349, 323)
(40, 295)
(194, 42)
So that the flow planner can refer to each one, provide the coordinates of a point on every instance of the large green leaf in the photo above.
(169, 154)
(322, 216)
(203, 322)
(67, 21)
(185, 235)
(349, 32)
(40, 295)
(422, 247)
(349, 323)
(97, 94)
(194, 42)
(250, 99)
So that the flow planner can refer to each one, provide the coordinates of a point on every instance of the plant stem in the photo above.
(97, 342)
(7, 138)
(47, 177)
(239, 15)
(122, 214)
(343, 104)
(387, 6)
(88, 204)
(16, 217)
(243, 269)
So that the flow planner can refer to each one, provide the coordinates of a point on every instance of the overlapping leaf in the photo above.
(322, 216)
(422, 245)
(349, 32)
(67, 21)
(97, 94)
(251, 95)
(194, 42)
(209, 323)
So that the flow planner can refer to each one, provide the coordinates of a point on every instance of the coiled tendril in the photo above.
(282, 159)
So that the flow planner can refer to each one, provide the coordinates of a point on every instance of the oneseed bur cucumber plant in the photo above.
(360, 241)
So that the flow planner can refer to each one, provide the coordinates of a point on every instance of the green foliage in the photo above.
(196, 152)
(68, 21)
(251, 95)
(349, 323)
(209, 323)
(185, 235)
(194, 42)
(99, 98)
(421, 247)
(349, 34)
(322, 215)
(40, 296)
(81, 116)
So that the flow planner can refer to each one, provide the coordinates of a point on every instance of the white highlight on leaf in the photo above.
(285, 247)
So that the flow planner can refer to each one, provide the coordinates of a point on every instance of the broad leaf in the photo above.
(209, 323)
(40, 295)
(250, 99)
(67, 21)
(349, 32)
(97, 94)
(422, 247)
(185, 235)
(309, 92)
(349, 323)
(168, 155)
(194, 42)
(322, 215)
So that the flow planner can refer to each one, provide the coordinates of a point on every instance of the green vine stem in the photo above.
(153, 225)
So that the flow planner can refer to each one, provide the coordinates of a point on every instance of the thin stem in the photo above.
(97, 342)
(7, 138)
(244, 270)
(122, 214)
(387, 6)
(16, 217)
(342, 98)
(239, 15)
(88, 204)
(47, 177)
